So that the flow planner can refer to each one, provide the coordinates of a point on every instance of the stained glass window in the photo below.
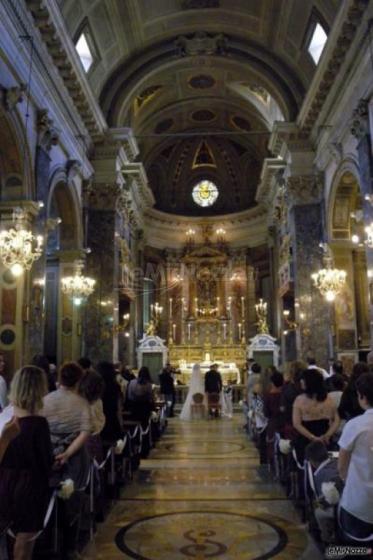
(205, 193)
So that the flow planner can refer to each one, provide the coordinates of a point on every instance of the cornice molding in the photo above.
(49, 21)
(343, 33)
(272, 169)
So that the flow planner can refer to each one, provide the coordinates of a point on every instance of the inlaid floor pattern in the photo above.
(200, 495)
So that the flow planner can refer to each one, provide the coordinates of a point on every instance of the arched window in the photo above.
(205, 193)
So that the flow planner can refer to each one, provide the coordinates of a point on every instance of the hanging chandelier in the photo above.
(329, 281)
(78, 287)
(19, 248)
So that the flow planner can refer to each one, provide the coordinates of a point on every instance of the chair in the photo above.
(214, 404)
(197, 408)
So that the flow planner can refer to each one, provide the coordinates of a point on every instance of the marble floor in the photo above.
(201, 495)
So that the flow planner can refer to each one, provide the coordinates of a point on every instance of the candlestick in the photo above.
(224, 331)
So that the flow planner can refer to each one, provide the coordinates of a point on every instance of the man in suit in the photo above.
(213, 384)
(167, 388)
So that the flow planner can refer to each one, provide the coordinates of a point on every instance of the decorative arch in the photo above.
(346, 220)
(15, 161)
(63, 202)
(342, 200)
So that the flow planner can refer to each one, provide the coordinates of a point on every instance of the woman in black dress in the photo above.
(27, 462)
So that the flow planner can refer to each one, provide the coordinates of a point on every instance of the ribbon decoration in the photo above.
(294, 454)
(46, 518)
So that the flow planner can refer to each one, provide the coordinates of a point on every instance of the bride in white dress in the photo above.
(197, 385)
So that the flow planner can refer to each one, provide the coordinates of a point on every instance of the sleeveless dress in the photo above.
(24, 477)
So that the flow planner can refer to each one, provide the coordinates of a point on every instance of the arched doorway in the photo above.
(14, 189)
(62, 334)
(346, 233)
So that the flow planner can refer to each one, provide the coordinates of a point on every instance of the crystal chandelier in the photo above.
(329, 281)
(19, 248)
(78, 287)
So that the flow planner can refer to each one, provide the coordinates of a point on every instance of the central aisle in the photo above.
(201, 495)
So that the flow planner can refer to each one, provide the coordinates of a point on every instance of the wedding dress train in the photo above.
(197, 385)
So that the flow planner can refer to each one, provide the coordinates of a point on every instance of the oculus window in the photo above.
(85, 51)
(205, 193)
(317, 42)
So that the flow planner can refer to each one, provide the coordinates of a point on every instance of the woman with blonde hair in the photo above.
(27, 462)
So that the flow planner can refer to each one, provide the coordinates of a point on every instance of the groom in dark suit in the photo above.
(213, 384)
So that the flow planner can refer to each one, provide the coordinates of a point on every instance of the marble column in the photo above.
(361, 129)
(100, 336)
(47, 137)
(307, 231)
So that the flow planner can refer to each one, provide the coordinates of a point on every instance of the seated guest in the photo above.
(92, 388)
(259, 422)
(289, 392)
(265, 378)
(167, 388)
(69, 422)
(356, 465)
(27, 463)
(140, 396)
(271, 401)
(315, 415)
(336, 386)
(337, 369)
(253, 379)
(325, 471)
(127, 373)
(3, 384)
(112, 400)
(85, 364)
(43, 363)
(349, 406)
(311, 361)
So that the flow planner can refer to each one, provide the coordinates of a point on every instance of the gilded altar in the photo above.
(230, 361)
(207, 289)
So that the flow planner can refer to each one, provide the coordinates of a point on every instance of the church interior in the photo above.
(186, 193)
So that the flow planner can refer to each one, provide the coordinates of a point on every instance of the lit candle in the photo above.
(174, 332)
(224, 331)
(239, 331)
(243, 306)
(196, 304)
(218, 304)
(189, 329)
(170, 301)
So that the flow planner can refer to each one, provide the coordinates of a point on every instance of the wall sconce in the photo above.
(290, 324)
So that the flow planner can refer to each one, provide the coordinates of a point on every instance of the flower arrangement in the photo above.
(120, 446)
(285, 446)
(330, 493)
(66, 489)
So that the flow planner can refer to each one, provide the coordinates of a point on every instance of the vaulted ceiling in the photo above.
(180, 71)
